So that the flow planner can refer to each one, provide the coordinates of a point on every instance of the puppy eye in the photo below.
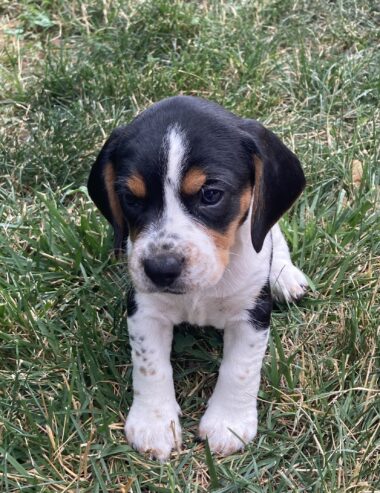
(132, 201)
(211, 196)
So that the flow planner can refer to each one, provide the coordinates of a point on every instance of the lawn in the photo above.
(70, 72)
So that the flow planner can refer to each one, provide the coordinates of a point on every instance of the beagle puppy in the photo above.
(193, 194)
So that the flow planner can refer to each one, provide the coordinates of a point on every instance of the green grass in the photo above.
(72, 71)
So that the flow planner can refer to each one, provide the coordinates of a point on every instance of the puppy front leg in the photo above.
(231, 417)
(152, 424)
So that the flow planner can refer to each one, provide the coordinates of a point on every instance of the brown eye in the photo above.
(211, 196)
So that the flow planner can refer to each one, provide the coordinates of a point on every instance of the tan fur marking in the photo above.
(109, 180)
(136, 185)
(257, 196)
(224, 241)
(245, 202)
(193, 181)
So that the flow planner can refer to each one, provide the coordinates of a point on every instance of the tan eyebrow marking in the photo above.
(136, 185)
(193, 181)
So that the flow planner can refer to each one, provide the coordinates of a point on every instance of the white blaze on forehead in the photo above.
(176, 151)
(176, 143)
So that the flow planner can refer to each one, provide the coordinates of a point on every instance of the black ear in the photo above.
(279, 180)
(101, 187)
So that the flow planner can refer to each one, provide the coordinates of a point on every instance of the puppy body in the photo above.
(199, 191)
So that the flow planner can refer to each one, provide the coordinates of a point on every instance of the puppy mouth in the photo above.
(163, 290)
(175, 288)
(173, 291)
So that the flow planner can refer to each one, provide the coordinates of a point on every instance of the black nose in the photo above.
(163, 270)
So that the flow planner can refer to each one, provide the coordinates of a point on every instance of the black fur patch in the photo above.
(259, 315)
(131, 302)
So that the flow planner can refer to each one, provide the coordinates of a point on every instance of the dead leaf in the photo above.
(357, 172)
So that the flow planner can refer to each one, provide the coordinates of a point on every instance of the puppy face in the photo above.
(183, 203)
(180, 179)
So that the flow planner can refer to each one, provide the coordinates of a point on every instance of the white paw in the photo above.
(228, 431)
(287, 282)
(154, 430)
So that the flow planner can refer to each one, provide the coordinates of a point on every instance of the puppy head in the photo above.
(177, 183)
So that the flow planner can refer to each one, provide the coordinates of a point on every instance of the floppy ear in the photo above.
(101, 187)
(279, 180)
